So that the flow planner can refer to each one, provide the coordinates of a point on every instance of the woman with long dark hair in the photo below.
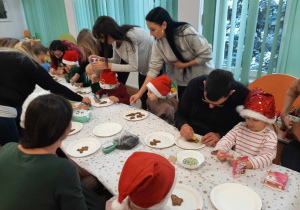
(186, 53)
(130, 43)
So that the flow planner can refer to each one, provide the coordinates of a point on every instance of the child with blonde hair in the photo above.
(158, 102)
(253, 138)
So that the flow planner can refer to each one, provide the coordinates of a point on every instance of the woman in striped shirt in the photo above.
(253, 138)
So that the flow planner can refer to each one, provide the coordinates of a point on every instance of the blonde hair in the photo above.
(8, 42)
(32, 48)
(89, 68)
(86, 40)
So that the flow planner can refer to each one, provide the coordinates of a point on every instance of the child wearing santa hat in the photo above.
(146, 182)
(253, 138)
(159, 94)
(116, 91)
(70, 59)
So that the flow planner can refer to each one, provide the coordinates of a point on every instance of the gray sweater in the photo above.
(191, 46)
(137, 60)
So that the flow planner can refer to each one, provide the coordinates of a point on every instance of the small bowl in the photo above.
(190, 154)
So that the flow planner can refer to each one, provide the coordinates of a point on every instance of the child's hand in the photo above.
(114, 98)
(52, 71)
(67, 69)
(78, 84)
(96, 100)
(219, 157)
(231, 159)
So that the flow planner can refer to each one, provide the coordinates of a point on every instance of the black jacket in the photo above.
(195, 112)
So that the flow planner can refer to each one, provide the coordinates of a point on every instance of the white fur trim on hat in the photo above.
(107, 86)
(155, 91)
(249, 113)
(71, 63)
(115, 205)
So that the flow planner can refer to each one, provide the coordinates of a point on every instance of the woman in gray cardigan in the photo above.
(130, 43)
(186, 53)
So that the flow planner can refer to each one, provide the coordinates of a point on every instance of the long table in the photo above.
(107, 167)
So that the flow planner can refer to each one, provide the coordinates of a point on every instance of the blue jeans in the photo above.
(10, 129)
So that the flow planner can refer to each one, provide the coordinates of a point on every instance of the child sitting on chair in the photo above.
(93, 78)
(116, 91)
(158, 101)
(253, 138)
(70, 59)
(146, 182)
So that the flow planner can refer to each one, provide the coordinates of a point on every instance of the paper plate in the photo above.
(83, 90)
(192, 198)
(184, 144)
(234, 196)
(92, 144)
(134, 114)
(166, 139)
(107, 129)
(76, 127)
(108, 102)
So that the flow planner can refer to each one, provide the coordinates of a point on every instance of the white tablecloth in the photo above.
(107, 167)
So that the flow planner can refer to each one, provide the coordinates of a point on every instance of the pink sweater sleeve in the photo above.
(267, 154)
(228, 141)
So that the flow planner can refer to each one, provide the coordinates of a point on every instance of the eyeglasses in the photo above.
(218, 105)
(56, 54)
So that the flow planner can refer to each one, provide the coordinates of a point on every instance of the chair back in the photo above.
(276, 84)
(68, 37)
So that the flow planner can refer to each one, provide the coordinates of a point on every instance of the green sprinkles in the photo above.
(190, 161)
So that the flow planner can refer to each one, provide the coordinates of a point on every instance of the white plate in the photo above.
(77, 126)
(135, 111)
(184, 144)
(192, 198)
(107, 129)
(234, 196)
(166, 139)
(92, 144)
(95, 104)
(84, 90)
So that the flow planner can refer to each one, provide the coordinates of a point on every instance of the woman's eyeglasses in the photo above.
(56, 54)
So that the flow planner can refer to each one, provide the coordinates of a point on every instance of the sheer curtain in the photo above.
(47, 18)
(131, 12)
(246, 35)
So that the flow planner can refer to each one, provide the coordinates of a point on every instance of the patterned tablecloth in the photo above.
(107, 167)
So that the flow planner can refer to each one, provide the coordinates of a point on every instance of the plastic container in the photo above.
(108, 147)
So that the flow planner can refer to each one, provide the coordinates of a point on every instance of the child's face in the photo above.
(254, 124)
(151, 95)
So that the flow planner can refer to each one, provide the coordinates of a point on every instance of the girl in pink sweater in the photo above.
(253, 138)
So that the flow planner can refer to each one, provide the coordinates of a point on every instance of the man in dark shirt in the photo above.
(208, 106)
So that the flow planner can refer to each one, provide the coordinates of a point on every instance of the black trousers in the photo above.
(144, 96)
(180, 91)
(290, 156)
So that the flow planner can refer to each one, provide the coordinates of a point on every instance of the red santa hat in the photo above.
(70, 58)
(148, 179)
(108, 79)
(259, 105)
(161, 87)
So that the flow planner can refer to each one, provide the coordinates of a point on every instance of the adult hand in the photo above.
(83, 106)
(114, 99)
(285, 122)
(210, 139)
(86, 100)
(180, 65)
(134, 98)
(220, 157)
(75, 78)
(100, 65)
(78, 84)
(186, 131)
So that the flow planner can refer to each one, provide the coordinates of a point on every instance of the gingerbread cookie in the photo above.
(72, 130)
(130, 115)
(103, 102)
(176, 201)
(83, 149)
(133, 117)
(140, 115)
(154, 142)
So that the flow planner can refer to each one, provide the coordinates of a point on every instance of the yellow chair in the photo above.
(68, 37)
(276, 84)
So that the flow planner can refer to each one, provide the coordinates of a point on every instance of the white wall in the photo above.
(16, 26)
(71, 18)
(191, 11)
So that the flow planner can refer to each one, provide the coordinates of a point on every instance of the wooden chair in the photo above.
(276, 84)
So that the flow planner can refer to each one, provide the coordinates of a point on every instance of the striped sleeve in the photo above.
(228, 141)
(267, 153)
